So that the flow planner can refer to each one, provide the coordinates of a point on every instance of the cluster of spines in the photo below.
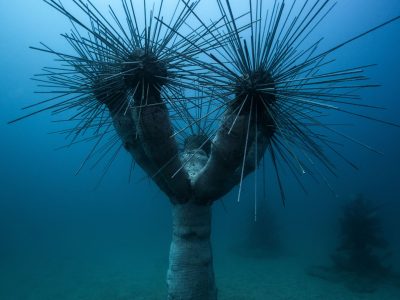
(285, 86)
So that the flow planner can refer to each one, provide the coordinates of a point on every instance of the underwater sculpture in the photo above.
(262, 237)
(361, 239)
(359, 260)
(199, 106)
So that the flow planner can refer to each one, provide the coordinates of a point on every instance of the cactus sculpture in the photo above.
(199, 104)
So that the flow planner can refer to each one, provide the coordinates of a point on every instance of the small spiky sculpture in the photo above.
(361, 240)
(198, 106)
(359, 261)
(263, 236)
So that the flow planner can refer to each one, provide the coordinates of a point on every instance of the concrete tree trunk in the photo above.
(191, 274)
(193, 179)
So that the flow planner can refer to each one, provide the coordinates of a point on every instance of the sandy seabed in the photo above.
(119, 275)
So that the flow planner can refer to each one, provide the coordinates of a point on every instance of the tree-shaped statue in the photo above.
(362, 246)
(198, 106)
(361, 259)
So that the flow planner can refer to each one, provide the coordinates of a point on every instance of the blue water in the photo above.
(62, 237)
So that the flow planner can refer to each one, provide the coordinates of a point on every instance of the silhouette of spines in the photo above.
(362, 245)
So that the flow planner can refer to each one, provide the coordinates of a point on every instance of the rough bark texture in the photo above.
(126, 128)
(191, 275)
(227, 153)
(146, 132)
(255, 154)
(155, 133)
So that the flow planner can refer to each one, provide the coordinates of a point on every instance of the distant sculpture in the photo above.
(262, 235)
(360, 260)
(198, 106)
(362, 245)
